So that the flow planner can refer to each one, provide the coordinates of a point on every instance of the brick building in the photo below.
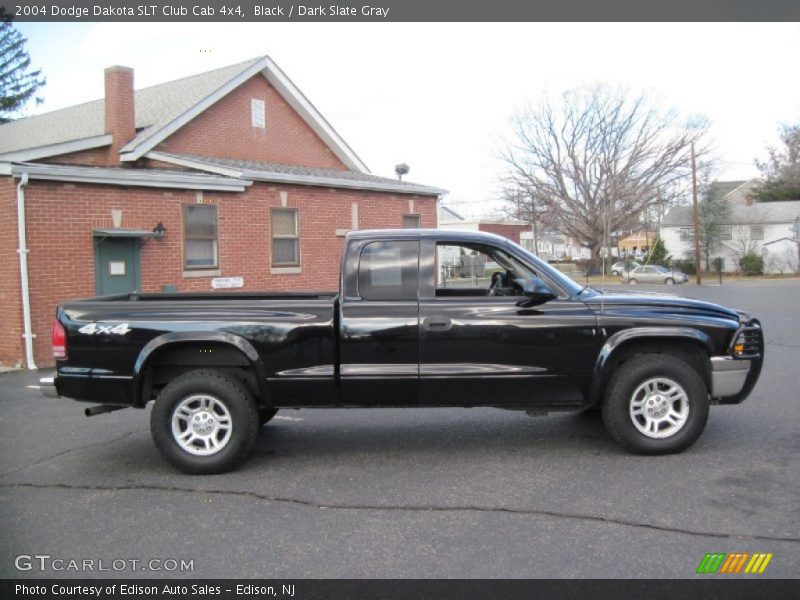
(227, 178)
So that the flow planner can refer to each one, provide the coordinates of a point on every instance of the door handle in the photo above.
(437, 324)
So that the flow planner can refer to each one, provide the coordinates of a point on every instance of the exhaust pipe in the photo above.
(101, 408)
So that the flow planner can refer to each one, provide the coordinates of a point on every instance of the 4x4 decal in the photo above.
(94, 328)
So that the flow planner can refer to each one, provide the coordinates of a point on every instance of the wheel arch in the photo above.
(232, 351)
(686, 342)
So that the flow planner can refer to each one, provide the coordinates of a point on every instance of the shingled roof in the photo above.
(261, 171)
(760, 213)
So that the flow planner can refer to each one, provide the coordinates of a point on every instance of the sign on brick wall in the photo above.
(221, 283)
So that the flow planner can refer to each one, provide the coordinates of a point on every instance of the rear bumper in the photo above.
(47, 385)
(728, 376)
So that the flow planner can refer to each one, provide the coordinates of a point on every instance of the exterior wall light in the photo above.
(160, 230)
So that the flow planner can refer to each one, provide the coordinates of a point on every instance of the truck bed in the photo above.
(113, 339)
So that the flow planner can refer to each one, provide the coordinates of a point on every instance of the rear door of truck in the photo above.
(379, 321)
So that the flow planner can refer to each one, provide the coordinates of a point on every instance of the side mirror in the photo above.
(536, 292)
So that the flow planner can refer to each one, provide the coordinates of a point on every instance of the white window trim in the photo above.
(274, 237)
(202, 273)
(285, 270)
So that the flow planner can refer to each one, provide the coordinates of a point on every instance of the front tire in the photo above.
(655, 404)
(204, 422)
(669, 281)
(632, 282)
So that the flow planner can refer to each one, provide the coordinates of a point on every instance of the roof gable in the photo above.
(226, 130)
(160, 111)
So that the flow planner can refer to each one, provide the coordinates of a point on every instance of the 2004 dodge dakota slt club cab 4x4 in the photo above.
(422, 318)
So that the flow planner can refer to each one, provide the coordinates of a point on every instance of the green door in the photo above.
(116, 265)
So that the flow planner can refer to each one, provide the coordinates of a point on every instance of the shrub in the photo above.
(752, 264)
(684, 266)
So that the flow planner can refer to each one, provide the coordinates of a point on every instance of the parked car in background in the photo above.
(653, 274)
(620, 267)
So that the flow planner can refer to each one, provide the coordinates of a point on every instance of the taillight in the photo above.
(59, 340)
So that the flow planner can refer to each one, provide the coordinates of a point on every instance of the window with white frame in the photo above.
(687, 234)
(285, 237)
(200, 243)
(756, 232)
(725, 234)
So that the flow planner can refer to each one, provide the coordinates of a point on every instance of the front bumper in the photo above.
(733, 377)
(728, 376)
(47, 385)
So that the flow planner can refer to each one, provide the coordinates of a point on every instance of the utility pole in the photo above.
(696, 218)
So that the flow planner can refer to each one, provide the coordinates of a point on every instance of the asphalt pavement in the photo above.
(413, 492)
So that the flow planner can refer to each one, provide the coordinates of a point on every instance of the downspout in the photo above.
(23, 271)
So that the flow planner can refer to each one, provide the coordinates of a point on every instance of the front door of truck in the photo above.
(379, 323)
(480, 349)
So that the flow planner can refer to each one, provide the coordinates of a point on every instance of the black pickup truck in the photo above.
(422, 318)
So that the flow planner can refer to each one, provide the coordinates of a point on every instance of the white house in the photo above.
(782, 256)
(770, 229)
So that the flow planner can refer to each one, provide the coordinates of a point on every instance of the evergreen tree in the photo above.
(18, 84)
(658, 255)
(782, 171)
(713, 210)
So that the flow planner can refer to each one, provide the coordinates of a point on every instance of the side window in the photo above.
(389, 271)
(411, 221)
(200, 236)
(285, 239)
(463, 267)
(470, 270)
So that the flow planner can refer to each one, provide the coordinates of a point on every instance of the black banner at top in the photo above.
(400, 10)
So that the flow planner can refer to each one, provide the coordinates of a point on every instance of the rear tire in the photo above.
(632, 282)
(204, 422)
(655, 404)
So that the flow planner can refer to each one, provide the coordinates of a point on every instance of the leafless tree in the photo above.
(597, 159)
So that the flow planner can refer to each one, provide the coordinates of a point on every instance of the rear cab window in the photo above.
(389, 270)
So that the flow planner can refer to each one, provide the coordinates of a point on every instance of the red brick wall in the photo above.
(225, 130)
(507, 231)
(61, 218)
(11, 342)
(94, 157)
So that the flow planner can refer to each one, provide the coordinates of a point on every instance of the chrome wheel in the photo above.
(201, 425)
(670, 281)
(659, 408)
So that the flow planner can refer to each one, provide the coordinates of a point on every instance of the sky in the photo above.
(439, 96)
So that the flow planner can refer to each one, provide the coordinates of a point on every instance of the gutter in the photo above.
(23, 271)
(129, 177)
